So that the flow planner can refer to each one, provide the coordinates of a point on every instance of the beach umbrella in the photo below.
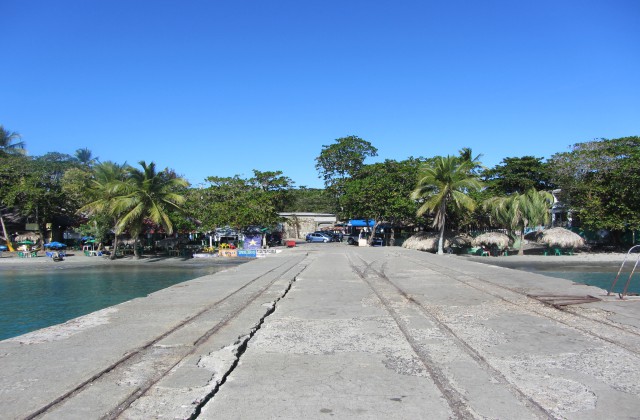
(428, 241)
(562, 238)
(26, 242)
(422, 241)
(492, 239)
(55, 245)
(459, 240)
(3, 248)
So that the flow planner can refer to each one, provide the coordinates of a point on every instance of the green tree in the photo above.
(33, 187)
(10, 142)
(13, 168)
(85, 157)
(234, 202)
(341, 160)
(518, 211)
(382, 192)
(517, 175)
(106, 186)
(147, 194)
(445, 182)
(311, 200)
(600, 181)
(466, 154)
(276, 186)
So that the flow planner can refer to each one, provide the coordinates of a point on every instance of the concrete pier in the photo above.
(329, 330)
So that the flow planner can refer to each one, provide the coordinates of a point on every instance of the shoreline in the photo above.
(42, 263)
(539, 261)
(582, 261)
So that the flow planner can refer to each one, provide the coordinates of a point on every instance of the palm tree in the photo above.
(466, 153)
(85, 157)
(518, 211)
(446, 181)
(148, 195)
(10, 142)
(108, 183)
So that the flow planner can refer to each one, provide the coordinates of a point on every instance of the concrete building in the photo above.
(298, 225)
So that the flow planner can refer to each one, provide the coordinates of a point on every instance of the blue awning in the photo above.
(361, 223)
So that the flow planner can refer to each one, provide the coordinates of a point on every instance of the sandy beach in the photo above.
(77, 259)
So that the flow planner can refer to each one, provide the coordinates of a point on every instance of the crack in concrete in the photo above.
(242, 344)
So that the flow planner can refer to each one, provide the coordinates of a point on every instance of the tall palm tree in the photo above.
(85, 157)
(518, 211)
(108, 183)
(445, 182)
(11, 142)
(148, 195)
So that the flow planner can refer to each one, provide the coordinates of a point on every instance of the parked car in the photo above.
(353, 239)
(317, 237)
(333, 236)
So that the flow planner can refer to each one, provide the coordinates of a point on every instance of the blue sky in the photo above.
(221, 88)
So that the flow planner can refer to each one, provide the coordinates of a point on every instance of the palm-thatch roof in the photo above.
(428, 241)
(561, 237)
(29, 236)
(492, 238)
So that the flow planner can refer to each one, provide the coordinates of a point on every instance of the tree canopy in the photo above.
(518, 175)
(10, 142)
(600, 181)
(519, 211)
(382, 192)
(238, 202)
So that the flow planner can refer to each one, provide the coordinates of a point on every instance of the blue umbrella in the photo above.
(55, 245)
(3, 248)
(86, 238)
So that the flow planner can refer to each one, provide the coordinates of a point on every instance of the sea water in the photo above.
(599, 275)
(33, 300)
(601, 279)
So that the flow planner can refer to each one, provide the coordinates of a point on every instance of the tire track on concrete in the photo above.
(462, 344)
(454, 399)
(549, 312)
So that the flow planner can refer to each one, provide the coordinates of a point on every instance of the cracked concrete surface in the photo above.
(331, 330)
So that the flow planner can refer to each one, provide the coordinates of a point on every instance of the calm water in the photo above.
(599, 275)
(30, 301)
(601, 279)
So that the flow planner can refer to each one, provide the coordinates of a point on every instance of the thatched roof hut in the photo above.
(562, 238)
(29, 236)
(428, 241)
(492, 239)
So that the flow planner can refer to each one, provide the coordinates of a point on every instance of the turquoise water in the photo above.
(598, 274)
(601, 279)
(30, 301)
